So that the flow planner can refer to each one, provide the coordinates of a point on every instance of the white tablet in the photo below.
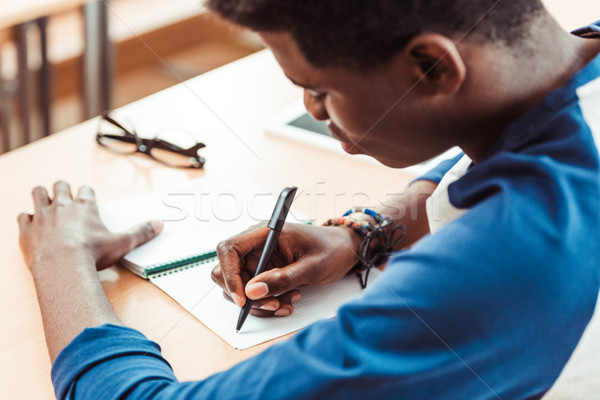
(296, 124)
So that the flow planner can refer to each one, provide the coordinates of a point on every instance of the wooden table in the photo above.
(226, 109)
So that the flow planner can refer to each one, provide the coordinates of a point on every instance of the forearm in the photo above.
(409, 210)
(70, 295)
(63, 244)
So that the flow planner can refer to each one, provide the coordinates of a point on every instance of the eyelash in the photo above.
(317, 95)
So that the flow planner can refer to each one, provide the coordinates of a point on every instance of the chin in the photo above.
(350, 148)
(396, 162)
(354, 150)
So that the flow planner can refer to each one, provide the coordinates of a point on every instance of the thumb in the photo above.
(144, 232)
(112, 250)
(277, 281)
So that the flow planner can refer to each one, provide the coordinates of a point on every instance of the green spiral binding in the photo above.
(182, 263)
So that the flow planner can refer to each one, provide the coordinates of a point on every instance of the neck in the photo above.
(505, 82)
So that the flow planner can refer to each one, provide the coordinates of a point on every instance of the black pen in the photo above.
(275, 225)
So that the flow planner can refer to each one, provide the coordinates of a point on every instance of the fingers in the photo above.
(143, 233)
(24, 219)
(230, 268)
(285, 308)
(62, 192)
(86, 193)
(236, 282)
(62, 195)
(40, 199)
(278, 281)
(273, 306)
(269, 304)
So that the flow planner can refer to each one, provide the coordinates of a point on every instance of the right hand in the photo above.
(305, 255)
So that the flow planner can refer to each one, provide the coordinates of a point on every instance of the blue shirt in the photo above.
(490, 306)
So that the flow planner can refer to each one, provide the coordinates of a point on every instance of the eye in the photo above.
(317, 95)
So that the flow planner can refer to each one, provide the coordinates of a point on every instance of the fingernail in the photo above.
(282, 312)
(237, 299)
(296, 297)
(157, 225)
(268, 307)
(257, 290)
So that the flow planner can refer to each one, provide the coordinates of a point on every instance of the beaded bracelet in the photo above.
(368, 257)
(358, 226)
(373, 214)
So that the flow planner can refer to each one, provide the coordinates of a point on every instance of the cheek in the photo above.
(350, 116)
(368, 124)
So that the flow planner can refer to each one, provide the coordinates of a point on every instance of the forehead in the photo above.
(289, 56)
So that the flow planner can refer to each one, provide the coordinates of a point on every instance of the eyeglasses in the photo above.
(173, 148)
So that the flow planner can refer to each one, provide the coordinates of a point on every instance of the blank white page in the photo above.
(196, 292)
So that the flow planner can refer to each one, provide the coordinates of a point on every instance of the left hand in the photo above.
(63, 227)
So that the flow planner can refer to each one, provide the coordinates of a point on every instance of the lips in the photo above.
(337, 134)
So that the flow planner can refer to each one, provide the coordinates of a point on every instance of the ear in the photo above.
(437, 63)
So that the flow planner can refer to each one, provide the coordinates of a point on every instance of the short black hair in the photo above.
(366, 33)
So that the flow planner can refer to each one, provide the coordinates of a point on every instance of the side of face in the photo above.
(399, 113)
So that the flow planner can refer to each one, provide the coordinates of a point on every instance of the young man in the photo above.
(489, 306)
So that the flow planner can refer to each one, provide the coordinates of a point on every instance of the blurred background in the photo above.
(64, 61)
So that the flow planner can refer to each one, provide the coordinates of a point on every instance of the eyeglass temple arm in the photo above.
(128, 139)
(108, 118)
(165, 145)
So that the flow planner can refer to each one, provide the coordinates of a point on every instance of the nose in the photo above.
(315, 106)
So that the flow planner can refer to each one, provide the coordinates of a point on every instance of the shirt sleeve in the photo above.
(109, 359)
(437, 173)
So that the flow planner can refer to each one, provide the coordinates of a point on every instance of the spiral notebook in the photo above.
(197, 216)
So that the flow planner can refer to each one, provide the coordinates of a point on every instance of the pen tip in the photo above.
(237, 330)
